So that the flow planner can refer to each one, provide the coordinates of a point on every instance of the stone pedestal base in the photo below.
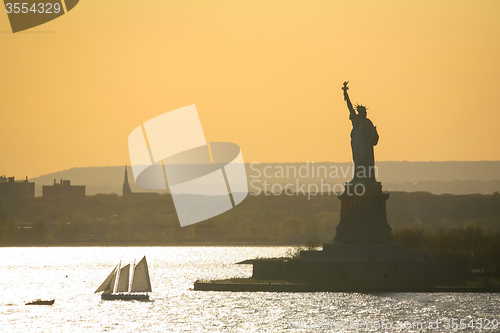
(363, 218)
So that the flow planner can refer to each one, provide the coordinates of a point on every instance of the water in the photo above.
(71, 275)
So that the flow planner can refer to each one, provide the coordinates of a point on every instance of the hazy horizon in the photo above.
(454, 177)
(21, 176)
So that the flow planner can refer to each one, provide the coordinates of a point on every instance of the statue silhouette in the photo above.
(363, 137)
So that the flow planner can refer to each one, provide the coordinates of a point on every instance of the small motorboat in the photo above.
(41, 302)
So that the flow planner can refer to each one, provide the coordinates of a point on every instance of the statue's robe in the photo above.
(363, 137)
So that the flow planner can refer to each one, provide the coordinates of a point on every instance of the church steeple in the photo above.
(126, 186)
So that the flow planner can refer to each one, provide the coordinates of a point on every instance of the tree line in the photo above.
(452, 226)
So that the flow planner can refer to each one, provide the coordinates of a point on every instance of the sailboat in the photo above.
(118, 285)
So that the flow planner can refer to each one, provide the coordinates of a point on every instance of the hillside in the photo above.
(454, 177)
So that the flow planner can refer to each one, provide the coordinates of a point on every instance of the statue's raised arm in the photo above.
(346, 97)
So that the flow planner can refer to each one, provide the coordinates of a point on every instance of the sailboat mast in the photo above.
(131, 278)
(117, 277)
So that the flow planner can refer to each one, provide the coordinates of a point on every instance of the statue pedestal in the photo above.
(363, 217)
(363, 253)
(363, 234)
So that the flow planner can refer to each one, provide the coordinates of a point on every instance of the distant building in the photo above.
(10, 188)
(63, 188)
(127, 191)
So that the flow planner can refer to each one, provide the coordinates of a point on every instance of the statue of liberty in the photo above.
(363, 137)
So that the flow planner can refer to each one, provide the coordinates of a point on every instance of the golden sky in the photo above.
(264, 74)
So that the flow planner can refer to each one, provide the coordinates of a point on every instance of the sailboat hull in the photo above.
(125, 297)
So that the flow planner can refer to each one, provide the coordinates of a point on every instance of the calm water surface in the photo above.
(71, 275)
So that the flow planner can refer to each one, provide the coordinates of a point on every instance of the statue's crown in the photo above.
(361, 107)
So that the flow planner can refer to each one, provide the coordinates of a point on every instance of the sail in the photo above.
(123, 279)
(109, 283)
(140, 282)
